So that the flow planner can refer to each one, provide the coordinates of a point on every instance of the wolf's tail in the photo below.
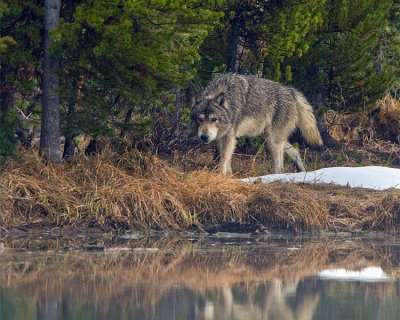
(307, 122)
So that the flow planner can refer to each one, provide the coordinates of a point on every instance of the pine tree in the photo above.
(283, 33)
(340, 69)
(5, 41)
(20, 43)
(117, 55)
(259, 37)
(389, 51)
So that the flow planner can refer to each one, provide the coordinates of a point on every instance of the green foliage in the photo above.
(343, 54)
(7, 139)
(20, 54)
(341, 70)
(124, 53)
(5, 43)
(270, 33)
(21, 22)
(284, 32)
(390, 44)
(185, 116)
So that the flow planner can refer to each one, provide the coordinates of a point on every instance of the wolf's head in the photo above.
(210, 116)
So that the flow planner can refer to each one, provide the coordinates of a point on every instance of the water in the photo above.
(199, 278)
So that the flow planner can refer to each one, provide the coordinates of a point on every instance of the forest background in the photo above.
(127, 70)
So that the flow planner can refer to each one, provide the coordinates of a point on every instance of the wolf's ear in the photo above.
(220, 99)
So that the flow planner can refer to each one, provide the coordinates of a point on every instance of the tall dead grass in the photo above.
(388, 120)
(381, 123)
(140, 192)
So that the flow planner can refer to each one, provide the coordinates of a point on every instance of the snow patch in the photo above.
(371, 177)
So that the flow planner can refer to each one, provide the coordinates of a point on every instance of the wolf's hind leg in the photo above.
(276, 150)
(294, 154)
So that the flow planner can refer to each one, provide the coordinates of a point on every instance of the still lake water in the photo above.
(219, 277)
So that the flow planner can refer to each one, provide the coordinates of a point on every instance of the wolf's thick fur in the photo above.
(234, 106)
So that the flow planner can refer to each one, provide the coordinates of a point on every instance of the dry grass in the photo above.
(140, 192)
(381, 123)
(388, 119)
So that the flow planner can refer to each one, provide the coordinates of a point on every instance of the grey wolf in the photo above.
(234, 106)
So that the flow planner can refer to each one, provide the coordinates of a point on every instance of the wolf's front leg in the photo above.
(228, 145)
(218, 150)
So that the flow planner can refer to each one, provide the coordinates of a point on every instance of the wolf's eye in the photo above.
(214, 119)
(199, 119)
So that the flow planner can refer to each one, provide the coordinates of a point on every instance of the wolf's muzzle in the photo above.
(204, 138)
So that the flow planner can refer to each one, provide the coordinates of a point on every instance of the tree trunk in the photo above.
(46, 307)
(50, 131)
(69, 144)
(92, 148)
(128, 117)
(69, 148)
(234, 37)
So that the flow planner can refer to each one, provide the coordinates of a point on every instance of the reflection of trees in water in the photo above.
(261, 281)
(356, 300)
